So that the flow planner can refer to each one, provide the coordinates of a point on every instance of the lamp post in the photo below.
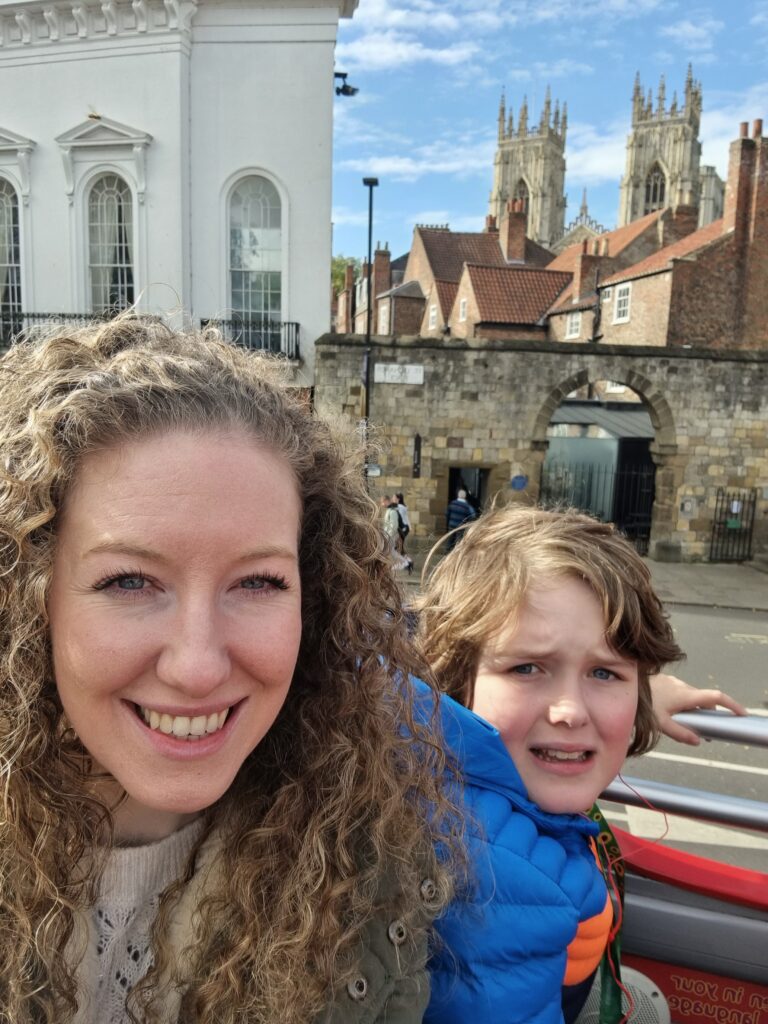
(370, 184)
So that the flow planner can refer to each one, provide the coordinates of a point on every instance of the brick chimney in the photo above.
(748, 195)
(514, 222)
(585, 271)
(349, 277)
(490, 224)
(739, 185)
(382, 274)
(679, 222)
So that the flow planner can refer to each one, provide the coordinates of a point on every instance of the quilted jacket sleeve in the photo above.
(502, 950)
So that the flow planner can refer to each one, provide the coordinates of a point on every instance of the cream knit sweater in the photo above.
(118, 953)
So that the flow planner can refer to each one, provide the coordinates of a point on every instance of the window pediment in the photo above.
(16, 149)
(100, 138)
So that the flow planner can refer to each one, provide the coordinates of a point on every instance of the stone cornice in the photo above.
(44, 24)
(99, 134)
(21, 148)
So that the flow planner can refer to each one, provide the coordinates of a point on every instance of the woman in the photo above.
(214, 807)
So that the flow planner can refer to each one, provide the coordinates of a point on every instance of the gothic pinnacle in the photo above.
(502, 115)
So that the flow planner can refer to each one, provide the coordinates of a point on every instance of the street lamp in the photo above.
(370, 184)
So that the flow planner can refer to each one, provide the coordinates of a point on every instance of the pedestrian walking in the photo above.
(458, 513)
(404, 526)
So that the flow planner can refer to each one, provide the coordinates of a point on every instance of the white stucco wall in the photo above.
(223, 89)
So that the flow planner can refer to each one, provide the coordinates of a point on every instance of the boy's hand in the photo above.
(671, 695)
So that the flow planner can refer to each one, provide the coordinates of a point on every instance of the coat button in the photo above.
(397, 933)
(428, 890)
(357, 989)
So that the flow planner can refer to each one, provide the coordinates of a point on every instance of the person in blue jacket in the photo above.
(546, 626)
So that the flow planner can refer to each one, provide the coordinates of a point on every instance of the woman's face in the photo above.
(175, 615)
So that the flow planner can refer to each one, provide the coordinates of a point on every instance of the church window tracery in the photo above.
(655, 190)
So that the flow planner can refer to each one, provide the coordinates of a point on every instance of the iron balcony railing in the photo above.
(278, 336)
(14, 325)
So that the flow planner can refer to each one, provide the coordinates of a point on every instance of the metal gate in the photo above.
(621, 496)
(733, 524)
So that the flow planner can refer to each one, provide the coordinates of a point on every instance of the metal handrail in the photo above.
(690, 803)
(698, 803)
(722, 725)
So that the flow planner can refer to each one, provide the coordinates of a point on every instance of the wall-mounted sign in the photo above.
(398, 373)
(519, 482)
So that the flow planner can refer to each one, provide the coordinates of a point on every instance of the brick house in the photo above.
(438, 257)
(572, 317)
(709, 288)
(505, 302)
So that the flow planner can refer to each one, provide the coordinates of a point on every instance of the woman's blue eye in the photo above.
(524, 670)
(254, 583)
(130, 582)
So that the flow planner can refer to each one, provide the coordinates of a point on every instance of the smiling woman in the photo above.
(214, 789)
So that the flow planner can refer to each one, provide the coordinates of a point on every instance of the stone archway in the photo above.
(664, 448)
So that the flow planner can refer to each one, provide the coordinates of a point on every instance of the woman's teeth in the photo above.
(182, 726)
(561, 755)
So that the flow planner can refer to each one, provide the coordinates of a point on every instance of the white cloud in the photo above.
(693, 36)
(342, 216)
(721, 119)
(564, 68)
(595, 156)
(391, 49)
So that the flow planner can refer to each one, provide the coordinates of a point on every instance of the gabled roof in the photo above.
(446, 294)
(448, 251)
(566, 304)
(514, 294)
(617, 240)
(662, 259)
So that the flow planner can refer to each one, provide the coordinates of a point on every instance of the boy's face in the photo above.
(562, 700)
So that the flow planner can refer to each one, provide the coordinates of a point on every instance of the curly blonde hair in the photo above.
(345, 787)
(477, 589)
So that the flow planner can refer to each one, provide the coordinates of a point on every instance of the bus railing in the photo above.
(696, 803)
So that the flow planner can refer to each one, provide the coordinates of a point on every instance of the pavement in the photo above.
(704, 584)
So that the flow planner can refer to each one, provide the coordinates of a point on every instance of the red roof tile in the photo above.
(446, 293)
(618, 240)
(661, 260)
(514, 294)
(448, 251)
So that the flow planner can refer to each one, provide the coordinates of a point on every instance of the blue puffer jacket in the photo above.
(504, 953)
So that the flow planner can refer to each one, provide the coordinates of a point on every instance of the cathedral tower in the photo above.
(530, 165)
(663, 152)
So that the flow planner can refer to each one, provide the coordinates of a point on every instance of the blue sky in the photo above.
(430, 74)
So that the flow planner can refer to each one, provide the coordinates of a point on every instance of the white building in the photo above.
(172, 153)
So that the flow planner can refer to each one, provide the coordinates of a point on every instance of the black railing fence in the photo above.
(732, 525)
(14, 325)
(277, 336)
(622, 496)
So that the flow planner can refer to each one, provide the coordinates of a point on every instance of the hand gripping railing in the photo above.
(696, 803)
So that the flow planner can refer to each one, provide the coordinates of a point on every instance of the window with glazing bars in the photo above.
(10, 263)
(255, 259)
(110, 244)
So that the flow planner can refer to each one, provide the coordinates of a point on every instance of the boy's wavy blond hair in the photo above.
(343, 789)
(476, 591)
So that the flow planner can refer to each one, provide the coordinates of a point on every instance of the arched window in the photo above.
(521, 192)
(10, 263)
(655, 190)
(255, 261)
(110, 244)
